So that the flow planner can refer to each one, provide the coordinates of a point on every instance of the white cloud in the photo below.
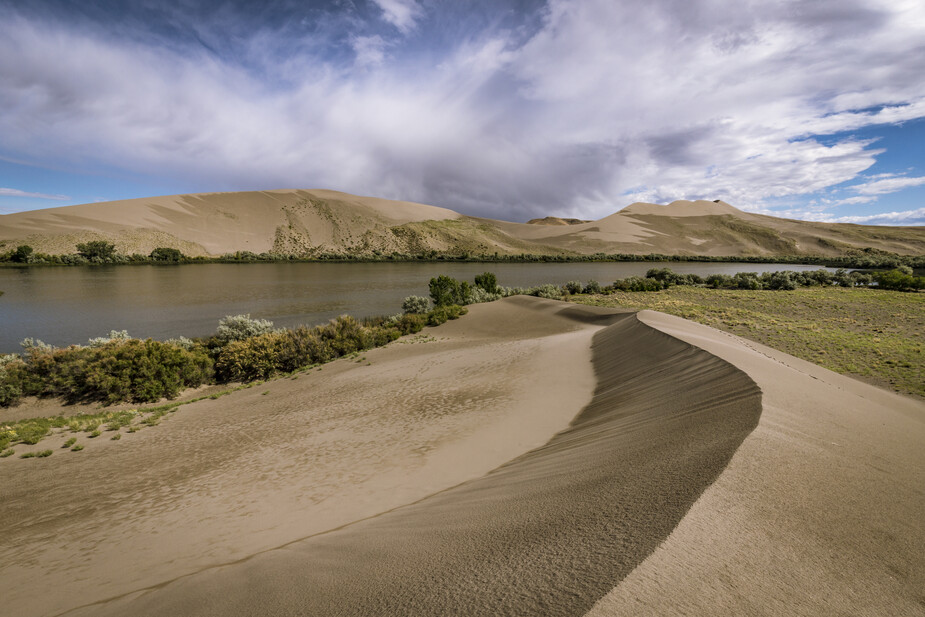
(369, 50)
(887, 185)
(605, 103)
(907, 217)
(6, 192)
(403, 14)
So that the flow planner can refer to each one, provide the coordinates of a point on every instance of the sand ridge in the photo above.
(818, 513)
(545, 534)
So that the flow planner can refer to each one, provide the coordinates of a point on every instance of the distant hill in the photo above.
(309, 223)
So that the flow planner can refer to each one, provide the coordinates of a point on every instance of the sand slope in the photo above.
(546, 534)
(820, 511)
(309, 223)
(224, 479)
(701, 474)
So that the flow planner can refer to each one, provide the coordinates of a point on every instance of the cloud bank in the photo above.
(503, 109)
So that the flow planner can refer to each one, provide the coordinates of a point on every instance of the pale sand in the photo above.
(224, 479)
(679, 488)
(820, 512)
(546, 534)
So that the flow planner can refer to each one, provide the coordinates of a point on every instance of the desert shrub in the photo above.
(442, 313)
(637, 283)
(132, 370)
(719, 281)
(487, 282)
(165, 254)
(477, 295)
(553, 292)
(411, 323)
(22, 255)
(140, 371)
(114, 336)
(445, 290)
(182, 342)
(900, 279)
(10, 392)
(97, 250)
(249, 359)
(781, 281)
(747, 280)
(240, 327)
(593, 287)
(415, 304)
(573, 287)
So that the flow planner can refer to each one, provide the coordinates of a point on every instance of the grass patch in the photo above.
(77, 448)
(873, 334)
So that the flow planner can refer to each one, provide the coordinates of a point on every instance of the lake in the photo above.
(69, 305)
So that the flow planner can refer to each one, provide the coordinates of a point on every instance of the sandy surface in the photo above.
(546, 534)
(539, 458)
(224, 479)
(820, 512)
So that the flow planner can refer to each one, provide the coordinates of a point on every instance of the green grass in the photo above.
(873, 334)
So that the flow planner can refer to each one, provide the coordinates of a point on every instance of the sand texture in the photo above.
(537, 458)
(311, 223)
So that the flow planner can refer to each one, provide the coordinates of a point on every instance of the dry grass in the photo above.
(878, 336)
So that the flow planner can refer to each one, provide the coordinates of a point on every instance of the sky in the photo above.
(510, 109)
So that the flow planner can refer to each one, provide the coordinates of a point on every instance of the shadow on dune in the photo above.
(547, 534)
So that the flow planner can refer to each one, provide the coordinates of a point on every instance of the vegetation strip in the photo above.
(101, 252)
(831, 319)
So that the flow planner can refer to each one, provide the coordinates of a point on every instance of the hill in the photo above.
(309, 223)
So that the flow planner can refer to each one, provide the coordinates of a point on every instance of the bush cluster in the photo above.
(117, 368)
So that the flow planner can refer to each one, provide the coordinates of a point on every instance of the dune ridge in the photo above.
(548, 533)
(818, 513)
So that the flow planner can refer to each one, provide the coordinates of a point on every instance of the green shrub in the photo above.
(593, 287)
(445, 290)
(553, 292)
(411, 323)
(415, 304)
(487, 282)
(248, 360)
(97, 250)
(900, 279)
(441, 314)
(637, 283)
(165, 254)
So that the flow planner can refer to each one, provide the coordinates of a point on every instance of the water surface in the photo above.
(72, 304)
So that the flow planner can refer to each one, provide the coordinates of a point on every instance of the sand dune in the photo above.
(540, 458)
(309, 223)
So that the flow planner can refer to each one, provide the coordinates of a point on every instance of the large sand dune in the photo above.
(538, 458)
(310, 223)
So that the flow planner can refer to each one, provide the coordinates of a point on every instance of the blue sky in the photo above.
(511, 109)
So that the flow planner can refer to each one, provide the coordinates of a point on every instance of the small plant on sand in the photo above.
(77, 448)
(27, 455)
(117, 437)
(6, 453)
(43, 453)
(95, 433)
(70, 442)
